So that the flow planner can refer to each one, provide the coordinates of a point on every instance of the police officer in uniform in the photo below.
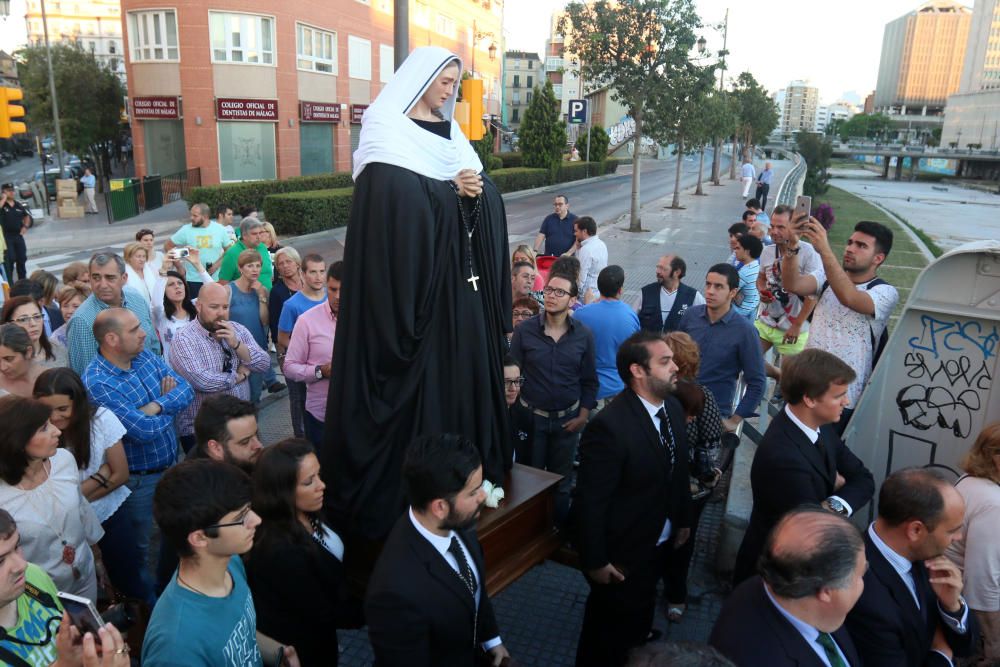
(15, 220)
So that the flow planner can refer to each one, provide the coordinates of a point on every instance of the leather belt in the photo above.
(551, 414)
(153, 471)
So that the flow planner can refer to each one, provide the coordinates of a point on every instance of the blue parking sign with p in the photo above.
(577, 111)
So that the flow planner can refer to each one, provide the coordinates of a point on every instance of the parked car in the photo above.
(51, 175)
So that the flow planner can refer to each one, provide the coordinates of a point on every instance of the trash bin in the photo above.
(152, 191)
(124, 198)
(932, 391)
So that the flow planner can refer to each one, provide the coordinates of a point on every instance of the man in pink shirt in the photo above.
(310, 351)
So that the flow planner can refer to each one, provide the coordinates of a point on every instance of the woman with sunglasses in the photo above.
(26, 313)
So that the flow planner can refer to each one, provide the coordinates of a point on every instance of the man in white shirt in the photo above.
(747, 174)
(792, 615)
(427, 602)
(662, 303)
(593, 256)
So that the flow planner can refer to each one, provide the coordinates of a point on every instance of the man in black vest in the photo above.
(661, 304)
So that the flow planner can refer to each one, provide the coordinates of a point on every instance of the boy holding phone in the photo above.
(206, 616)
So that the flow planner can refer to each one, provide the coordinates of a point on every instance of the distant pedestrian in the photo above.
(89, 183)
(15, 221)
(747, 173)
(557, 229)
(764, 185)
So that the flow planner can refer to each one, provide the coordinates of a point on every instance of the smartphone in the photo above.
(82, 613)
(179, 253)
(803, 207)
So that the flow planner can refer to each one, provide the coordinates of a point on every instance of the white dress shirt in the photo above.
(441, 544)
(593, 256)
(652, 410)
(808, 632)
(813, 435)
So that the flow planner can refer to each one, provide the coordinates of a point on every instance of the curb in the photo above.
(549, 188)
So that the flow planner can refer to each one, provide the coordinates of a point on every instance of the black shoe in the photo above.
(275, 387)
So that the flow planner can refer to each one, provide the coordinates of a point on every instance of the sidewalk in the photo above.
(540, 615)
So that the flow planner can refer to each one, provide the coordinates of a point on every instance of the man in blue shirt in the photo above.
(729, 345)
(764, 185)
(141, 390)
(611, 322)
(89, 183)
(557, 229)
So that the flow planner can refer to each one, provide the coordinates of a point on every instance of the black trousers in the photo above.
(761, 194)
(618, 616)
(17, 254)
(676, 563)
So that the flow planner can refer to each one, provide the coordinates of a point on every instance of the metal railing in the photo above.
(128, 197)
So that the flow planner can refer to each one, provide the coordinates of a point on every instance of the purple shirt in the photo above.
(311, 345)
(203, 361)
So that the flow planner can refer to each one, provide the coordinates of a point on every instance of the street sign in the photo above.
(577, 112)
(154, 108)
(319, 112)
(229, 108)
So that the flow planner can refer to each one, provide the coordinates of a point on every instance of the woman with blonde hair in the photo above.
(141, 276)
(977, 553)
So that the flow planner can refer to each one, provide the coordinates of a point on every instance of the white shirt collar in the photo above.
(811, 433)
(668, 292)
(899, 563)
(439, 542)
(587, 240)
(650, 408)
(808, 632)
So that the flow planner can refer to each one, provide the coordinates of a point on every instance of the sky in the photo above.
(834, 45)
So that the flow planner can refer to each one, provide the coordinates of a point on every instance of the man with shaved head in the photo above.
(792, 613)
(141, 390)
(215, 355)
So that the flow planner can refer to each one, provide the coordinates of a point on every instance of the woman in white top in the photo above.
(26, 313)
(978, 551)
(173, 308)
(154, 258)
(40, 487)
(69, 299)
(141, 276)
(94, 436)
(18, 369)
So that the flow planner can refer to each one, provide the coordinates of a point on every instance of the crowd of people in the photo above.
(131, 466)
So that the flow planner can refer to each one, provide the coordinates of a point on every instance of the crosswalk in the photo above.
(55, 263)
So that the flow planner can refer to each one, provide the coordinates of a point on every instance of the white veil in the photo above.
(389, 136)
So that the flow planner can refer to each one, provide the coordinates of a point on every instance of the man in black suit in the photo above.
(631, 494)
(912, 611)
(811, 574)
(426, 603)
(800, 459)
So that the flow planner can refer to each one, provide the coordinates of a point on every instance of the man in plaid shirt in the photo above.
(139, 388)
(214, 354)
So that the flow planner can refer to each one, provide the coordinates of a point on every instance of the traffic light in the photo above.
(8, 111)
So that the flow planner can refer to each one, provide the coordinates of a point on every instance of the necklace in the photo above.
(317, 531)
(197, 590)
(469, 224)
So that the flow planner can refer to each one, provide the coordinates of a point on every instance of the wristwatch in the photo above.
(793, 251)
(837, 506)
(319, 372)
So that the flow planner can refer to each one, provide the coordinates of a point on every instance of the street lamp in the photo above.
(476, 37)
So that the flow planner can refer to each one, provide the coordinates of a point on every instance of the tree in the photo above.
(675, 114)
(756, 116)
(599, 141)
(543, 134)
(816, 151)
(631, 47)
(865, 126)
(91, 96)
(716, 119)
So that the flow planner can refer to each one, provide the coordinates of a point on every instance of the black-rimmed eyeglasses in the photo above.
(241, 520)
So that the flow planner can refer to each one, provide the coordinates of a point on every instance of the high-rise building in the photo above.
(94, 25)
(255, 89)
(982, 56)
(922, 55)
(561, 72)
(798, 112)
(522, 72)
(828, 114)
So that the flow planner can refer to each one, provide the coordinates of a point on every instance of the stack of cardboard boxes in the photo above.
(66, 199)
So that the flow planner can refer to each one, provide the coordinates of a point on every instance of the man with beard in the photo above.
(854, 306)
(214, 354)
(427, 603)
(225, 429)
(662, 303)
(631, 495)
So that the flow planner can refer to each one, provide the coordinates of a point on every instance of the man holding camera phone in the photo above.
(854, 304)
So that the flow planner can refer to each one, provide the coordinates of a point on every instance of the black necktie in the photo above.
(667, 435)
(464, 571)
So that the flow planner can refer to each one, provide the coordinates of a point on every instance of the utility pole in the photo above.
(717, 153)
(400, 31)
(52, 91)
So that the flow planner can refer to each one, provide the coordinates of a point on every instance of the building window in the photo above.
(422, 15)
(359, 58)
(112, 47)
(515, 116)
(316, 49)
(517, 81)
(516, 99)
(445, 25)
(386, 64)
(241, 38)
(153, 35)
(531, 64)
(527, 97)
(530, 80)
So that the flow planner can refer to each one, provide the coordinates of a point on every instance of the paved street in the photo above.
(540, 615)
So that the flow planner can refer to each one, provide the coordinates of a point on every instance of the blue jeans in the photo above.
(256, 381)
(553, 448)
(138, 509)
(314, 430)
(122, 558)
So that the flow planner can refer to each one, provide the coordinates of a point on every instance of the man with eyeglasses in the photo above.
(557, 357)
(557, 230)
(215, 355)
(520, 417)
(206, 616)
(145, 395)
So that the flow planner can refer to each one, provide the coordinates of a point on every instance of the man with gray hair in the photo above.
(107, 280)
(251, 230)
(811, 575)
(203, 233)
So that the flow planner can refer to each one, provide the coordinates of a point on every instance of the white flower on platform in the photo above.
(494, 494)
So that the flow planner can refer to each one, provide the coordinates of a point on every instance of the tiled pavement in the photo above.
(540, 615)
